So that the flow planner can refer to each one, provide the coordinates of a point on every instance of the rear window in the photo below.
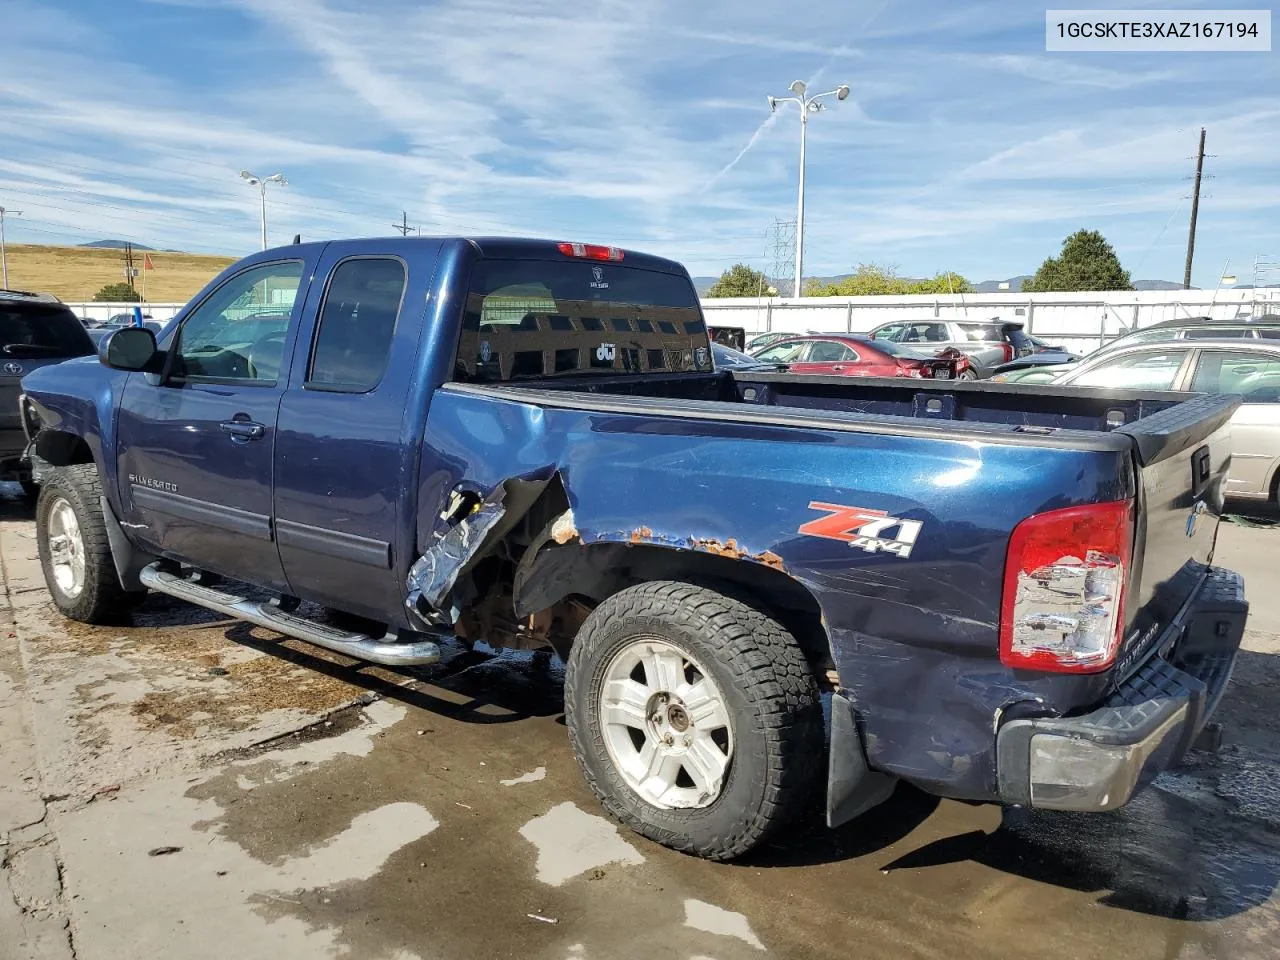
(41, 330)
(526, 319)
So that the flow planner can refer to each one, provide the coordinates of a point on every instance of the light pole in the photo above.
(4, 260)
(261, 184)
(807, 104)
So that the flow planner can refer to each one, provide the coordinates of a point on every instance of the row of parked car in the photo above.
(1197, 355)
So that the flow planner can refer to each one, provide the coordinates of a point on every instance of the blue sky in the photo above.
(964, 145)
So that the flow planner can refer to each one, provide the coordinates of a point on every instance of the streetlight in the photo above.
(261, 184)
(807, 104)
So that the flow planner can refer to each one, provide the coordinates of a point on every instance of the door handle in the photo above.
(242, 430)
(838, 367)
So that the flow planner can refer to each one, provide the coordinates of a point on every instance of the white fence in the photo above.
(1081, 322)
(104, 311)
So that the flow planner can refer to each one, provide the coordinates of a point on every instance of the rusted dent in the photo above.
(563, 530)
(731, 550)
(641, 535)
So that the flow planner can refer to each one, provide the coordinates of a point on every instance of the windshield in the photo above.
(42, 330)
(542, 318)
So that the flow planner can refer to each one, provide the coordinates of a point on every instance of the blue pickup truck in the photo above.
(767, 588)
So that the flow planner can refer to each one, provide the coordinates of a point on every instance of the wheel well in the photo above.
(596, 571)
(62, 449)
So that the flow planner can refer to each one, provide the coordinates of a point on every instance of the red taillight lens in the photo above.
(1008, 351)
(591, 251)
(1064, 588)
(924, 371)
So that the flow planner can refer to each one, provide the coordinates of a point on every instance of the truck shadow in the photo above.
(1199, 844)
(472, 686)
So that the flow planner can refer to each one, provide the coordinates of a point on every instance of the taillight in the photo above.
(1064, 588)
(1008, 351)
(925, 371)
(592, 251)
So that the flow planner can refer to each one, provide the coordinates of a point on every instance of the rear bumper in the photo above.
(1098, 760)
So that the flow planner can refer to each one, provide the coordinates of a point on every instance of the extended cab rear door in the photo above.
(195, 444)
(344, 464)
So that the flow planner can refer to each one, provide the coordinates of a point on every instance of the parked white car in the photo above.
(1250, 368)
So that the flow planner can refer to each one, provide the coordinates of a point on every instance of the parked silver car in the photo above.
(986, 343)
(1250, 368)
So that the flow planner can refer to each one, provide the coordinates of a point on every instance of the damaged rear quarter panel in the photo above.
(914, 639)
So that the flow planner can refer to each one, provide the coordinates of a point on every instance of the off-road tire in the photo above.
(769, 691)
(102, 600)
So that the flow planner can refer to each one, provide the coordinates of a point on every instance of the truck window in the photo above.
(238, 332)
(357, 321)
(36, 330)
(618, 317)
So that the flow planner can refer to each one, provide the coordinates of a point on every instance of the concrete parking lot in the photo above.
(187, 787)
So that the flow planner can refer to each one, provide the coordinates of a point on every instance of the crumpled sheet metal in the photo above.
(432, 577)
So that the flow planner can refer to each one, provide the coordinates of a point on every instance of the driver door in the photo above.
(195, 445)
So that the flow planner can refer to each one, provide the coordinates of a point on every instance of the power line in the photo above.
(782, 249)
(403, 225)
(1195, 210)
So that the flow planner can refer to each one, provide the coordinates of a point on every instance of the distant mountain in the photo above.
(1015, 285)
(994, 286)
(115, 245)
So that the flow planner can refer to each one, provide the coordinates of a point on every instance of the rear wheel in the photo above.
(694, 716)
(968, 374)
(75, 555)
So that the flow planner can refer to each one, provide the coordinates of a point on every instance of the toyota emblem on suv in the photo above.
(13, 369)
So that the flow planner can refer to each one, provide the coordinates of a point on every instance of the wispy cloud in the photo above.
(964, 145)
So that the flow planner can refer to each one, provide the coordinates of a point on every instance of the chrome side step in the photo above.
(385, 651)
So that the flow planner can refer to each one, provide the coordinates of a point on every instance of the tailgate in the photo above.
(1182, 457)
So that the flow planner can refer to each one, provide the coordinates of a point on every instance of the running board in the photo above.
(383, 651)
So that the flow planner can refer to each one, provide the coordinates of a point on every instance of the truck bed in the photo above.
(1016, 412)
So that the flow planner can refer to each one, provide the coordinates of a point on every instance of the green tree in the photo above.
(1087, 262)
(119, 292)
(872, 280)
(948, 282)
(867, 280)
(740, 281)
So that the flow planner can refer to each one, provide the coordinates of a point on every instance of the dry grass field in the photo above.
(76, 273)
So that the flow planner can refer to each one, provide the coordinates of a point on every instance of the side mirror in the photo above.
(128, 348)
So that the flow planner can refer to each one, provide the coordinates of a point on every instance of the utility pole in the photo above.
(808, 103)
(1195, 210)
(261, 183)
(403, 225)
(4, 261)
(128, 264)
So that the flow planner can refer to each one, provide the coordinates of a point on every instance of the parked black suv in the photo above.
(36, 330)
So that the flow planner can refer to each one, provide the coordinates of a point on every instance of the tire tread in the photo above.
(771, 669)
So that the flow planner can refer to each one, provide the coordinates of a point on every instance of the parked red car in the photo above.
(855, 356)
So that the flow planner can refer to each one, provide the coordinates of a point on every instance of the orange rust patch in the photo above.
(641, 535)
(731, 550)
(770, 559)
(563, 530)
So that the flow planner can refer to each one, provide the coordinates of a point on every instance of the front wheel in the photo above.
(694, 716)
(75, 555)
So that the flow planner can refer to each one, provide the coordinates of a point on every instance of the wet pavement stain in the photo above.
(414, 785)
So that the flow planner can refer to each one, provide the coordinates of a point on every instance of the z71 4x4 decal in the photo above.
(860, 527)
